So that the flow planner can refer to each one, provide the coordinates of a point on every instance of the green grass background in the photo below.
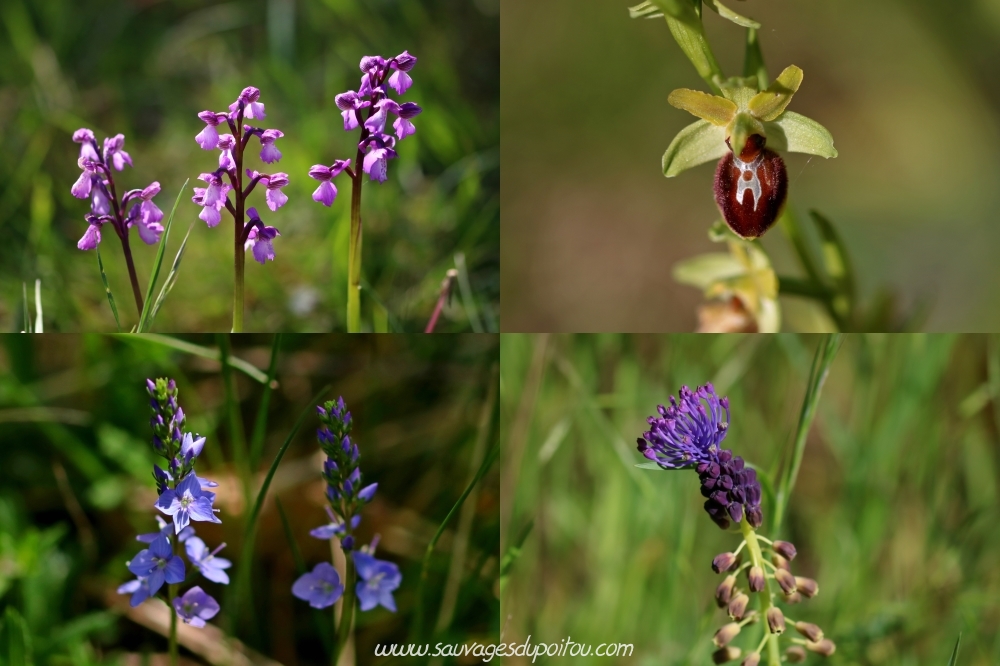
(78, 404)
(894, 512)
(145, 68)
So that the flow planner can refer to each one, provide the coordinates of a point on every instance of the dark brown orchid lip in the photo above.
(751, 189)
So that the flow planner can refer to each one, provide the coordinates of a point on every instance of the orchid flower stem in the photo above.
(347, 612)
(136, 291)
(171, 593)
(757, 558)
(354, 256)
(239, 249)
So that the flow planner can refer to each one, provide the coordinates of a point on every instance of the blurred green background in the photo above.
(909, 90)
(145, 68)
(75, 487)
(894, 510)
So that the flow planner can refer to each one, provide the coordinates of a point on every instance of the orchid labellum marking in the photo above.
(762, 172)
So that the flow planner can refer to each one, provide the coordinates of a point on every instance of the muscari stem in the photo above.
(346, 614)
(354, 258)
(757, 559)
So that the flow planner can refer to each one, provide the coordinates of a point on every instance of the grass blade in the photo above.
(260, 425)
(39, 323)
(825, 354)
(144, 319)
(391, 320)
(490, 458)
(245, 367)
(26, 316)
(954, 653)
(468, 300)
(15, 646)
(168, 284)
(107, 289)
(300, 568)
(246, 555)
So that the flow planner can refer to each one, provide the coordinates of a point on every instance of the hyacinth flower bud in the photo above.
(807, 586)
(724, 592)
(775, 620)
(738, 606)
(728, 653)
(793, 598)
(752, 659)
(795, 654)
(785, 549)
(723, 562)
(780, 562)
(785, 579)
(809, 630)
(755, 578)
(726, 634)
(825, 647)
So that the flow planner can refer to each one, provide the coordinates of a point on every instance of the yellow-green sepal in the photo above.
(730, 15)
(770, 103)
(696, 144)
(794, 133)
(740, 129)
(716, 110)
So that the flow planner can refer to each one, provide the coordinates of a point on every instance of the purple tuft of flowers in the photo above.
(346, 493)
(184, 498)
(689, 433)
(232, 176)
(375, 147)
(97, 183)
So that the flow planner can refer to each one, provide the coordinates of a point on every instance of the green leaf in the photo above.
(15, 641)
(730, 15)
(704, 270)
(197, 350)
(768, 104)
(107, 289)
(645, 10)
(651, 465)
(837, 264)
(683, 10)
(753, 60)
(684, 22)
(954, 653)
(716, 110)
(794, 133)
(260, 425)
(24, 304)
(696, 144)
(144, 318)
(168, 284)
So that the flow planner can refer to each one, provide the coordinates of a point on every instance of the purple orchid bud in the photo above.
(113, 152)
(274, 196)
(150, 384)
(208, 138)
(372, 64)
(92, 236)
(226, 144)
(269, 153)
(252, 109)
(85, 138)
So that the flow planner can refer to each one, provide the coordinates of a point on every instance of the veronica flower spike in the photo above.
(688, 434)
(346, 494)
(135, 208)
(231, 184)
(375, 149)
(183, 498)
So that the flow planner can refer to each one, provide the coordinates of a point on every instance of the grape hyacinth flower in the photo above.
(183, 496)
(232, 176)
(346, 494)
(375, 149)
(134, 209)
(688, 434)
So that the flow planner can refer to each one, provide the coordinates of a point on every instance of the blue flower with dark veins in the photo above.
(334, 527)
(138, 588)
(158, 564)
(321, 587)
(211, 567)
(378, 579)
(195, 607)
(187, 502)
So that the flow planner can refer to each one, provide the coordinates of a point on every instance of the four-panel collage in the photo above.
(264, 403)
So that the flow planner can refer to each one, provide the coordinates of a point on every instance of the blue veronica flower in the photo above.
(158, 564)
(687, 432)
(321, 587)
(138, 588)
(195, 607)
(211, 567)
(334, 527)
(165, 529)
(378, 579)
(187, 502)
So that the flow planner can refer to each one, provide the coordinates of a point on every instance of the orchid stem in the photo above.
(773, 655)
(136, 291)
(354, 258)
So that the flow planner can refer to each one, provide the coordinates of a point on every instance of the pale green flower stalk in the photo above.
(741, 122)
